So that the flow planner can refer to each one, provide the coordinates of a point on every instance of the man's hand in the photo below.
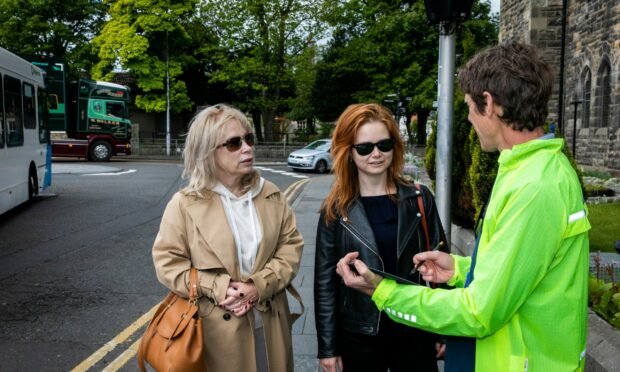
(331, 364)
(364, 281)
(435, 266)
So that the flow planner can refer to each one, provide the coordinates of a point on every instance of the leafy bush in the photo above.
(598, 190)
(303, 135)
(597, 174)
(604, 297)
(325, 129)
(482, 173)
(464, 166)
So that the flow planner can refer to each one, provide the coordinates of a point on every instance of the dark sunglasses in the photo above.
(234, 144)
(366, 148)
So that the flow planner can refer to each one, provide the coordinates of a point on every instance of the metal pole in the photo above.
(444, 125)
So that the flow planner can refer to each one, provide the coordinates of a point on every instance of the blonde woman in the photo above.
(237, 229)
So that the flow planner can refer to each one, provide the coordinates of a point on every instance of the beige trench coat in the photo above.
(194, 232)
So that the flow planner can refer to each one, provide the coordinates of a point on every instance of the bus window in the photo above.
(114, 109)
(44, 133)
(13, 112)
(30, 116)
(1, 114)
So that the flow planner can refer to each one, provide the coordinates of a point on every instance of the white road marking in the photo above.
(110, 174)
(282, 172)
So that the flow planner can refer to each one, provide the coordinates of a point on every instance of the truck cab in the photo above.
(88, 119)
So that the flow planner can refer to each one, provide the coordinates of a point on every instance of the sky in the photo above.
(495, 6)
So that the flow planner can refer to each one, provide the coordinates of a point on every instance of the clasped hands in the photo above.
(240, 298)
(434, 266)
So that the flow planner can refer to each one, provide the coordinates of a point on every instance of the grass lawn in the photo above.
(605, 221)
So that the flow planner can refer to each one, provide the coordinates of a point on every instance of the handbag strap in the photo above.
(170, 298)
(423, 213)
(193, 284)
(424, 225)
(152, 327)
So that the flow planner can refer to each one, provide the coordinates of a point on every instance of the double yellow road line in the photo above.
(130, 331)
(122, 359)
(292, 189)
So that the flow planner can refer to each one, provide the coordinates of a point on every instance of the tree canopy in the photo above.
(258, 42)
(58, 29)
(149, 38)
(384, 47)
(301, 59)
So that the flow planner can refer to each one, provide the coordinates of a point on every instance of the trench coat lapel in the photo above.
(209, 217)
(269, 218)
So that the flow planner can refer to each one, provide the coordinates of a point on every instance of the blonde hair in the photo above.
(206, 132)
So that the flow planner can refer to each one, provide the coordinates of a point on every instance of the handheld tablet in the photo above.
(398, 279)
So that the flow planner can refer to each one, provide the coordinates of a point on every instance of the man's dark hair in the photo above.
(517, 79)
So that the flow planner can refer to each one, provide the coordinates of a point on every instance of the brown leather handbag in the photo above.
(173, 340)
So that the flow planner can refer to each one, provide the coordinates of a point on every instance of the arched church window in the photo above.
(604, 93)
(586, 98)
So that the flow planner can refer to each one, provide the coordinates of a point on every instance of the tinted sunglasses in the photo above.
(234, 144)
(366, 148)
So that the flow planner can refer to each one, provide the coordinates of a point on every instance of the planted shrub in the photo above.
(604, 297)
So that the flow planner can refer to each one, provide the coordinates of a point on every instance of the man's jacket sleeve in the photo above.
(519, 240)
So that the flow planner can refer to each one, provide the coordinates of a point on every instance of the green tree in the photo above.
(149, 39)
(257, 41)
(382, 47)
(58, 29)
(340, 78)
(304, 75)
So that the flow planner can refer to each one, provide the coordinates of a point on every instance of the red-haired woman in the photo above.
(373, 210)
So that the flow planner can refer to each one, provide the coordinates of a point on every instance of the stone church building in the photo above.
(581, 40)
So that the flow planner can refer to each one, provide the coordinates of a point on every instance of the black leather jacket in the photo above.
(339, 307)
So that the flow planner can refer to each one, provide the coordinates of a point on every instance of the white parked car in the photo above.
(315, 156)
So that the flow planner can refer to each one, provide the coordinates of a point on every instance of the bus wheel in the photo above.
(100, 151)
(33, 184)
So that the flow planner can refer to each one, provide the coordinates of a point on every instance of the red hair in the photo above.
(346, 186)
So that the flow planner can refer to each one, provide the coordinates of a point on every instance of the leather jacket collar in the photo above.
(357, 222)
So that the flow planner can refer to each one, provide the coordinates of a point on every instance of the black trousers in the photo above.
(397, 347)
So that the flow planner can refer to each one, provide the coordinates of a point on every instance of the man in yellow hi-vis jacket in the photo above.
(522, 296)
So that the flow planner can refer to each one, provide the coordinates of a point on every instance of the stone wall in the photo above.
(592, 45)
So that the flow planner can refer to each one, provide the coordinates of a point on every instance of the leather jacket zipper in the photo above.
(363, 242)
(350, 230)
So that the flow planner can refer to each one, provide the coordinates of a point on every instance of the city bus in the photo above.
(25, 154)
